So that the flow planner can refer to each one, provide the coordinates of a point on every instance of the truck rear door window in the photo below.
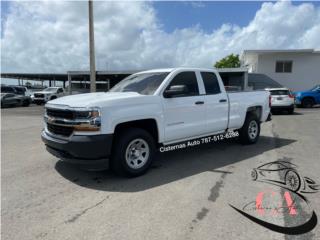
(211, 83)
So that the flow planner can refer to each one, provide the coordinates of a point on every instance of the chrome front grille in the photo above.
(38, 95)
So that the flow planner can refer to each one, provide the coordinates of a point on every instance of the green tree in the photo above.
(230, 61)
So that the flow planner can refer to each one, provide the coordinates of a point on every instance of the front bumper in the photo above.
(92, 151)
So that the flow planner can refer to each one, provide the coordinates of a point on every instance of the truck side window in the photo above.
(211, 83)
(188, 79)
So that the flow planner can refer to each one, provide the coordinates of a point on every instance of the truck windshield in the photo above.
(50, 89)
(144, 83)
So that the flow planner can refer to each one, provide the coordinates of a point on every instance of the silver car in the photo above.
(281, 99)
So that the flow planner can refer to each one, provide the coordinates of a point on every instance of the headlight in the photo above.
(88, 119)
(83, 113)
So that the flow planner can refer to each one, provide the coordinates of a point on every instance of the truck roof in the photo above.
(179, 68)
(280, 88)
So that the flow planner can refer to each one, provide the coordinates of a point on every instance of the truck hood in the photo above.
(93, 99)
(44, 92)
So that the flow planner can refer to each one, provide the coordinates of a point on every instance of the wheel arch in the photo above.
(308, 97)
(149, 124)
(255, 110)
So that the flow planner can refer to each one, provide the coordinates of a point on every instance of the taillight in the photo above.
(291, 95)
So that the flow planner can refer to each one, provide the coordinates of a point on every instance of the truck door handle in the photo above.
(223, 100)
(199, 102)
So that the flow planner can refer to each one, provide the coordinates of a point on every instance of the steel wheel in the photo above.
(253, 129)
(137, 153)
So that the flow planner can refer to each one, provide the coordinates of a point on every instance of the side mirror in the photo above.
(175, 91)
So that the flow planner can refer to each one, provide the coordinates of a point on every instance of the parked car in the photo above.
(11, 100)
(281, 99)
(47, 94)
(8, 89)
(124, 127)
(309, 98)
(23, 92)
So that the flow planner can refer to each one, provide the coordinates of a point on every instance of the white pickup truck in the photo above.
(47, 94)
(124, 128)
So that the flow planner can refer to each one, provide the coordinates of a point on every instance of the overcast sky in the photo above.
(52, 36)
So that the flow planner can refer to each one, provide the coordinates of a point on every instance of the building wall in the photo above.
(250, 60)
(305, 69)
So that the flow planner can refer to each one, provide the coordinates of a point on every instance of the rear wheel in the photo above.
(307, 103)
(133, 152)
(291, 110)
(250, 131)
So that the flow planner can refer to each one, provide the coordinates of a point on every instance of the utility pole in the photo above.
(91, 48)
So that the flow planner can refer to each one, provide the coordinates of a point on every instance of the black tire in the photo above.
(307, 103)
(244, 135)
(291, 110)
(53, 97)
(121, 146)
(26, 103)
(292, 181)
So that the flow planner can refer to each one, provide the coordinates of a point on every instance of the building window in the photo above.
(284, 66)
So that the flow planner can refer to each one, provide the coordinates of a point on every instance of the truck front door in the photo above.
(184, 114)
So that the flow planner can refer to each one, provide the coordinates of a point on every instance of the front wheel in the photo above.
(250, 131)
(133, 152)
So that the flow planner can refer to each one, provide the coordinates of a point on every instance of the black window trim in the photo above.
(283, 62)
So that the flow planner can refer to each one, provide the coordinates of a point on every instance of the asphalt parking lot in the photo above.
(186, 195)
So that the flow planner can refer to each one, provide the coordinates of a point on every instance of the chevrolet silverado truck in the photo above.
(123, 129)
(47, 94)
